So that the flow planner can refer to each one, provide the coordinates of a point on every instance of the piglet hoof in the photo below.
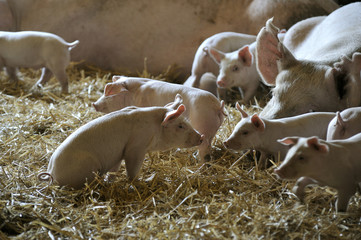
(64, 91)
(39, 86)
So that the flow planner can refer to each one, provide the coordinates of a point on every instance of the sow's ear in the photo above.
(216, 55)
(344, 76)
(271, 55)
(114, 88)
(172, 115)
(316, 145)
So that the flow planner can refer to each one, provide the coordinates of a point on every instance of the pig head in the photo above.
(117, 95)
(301, 85)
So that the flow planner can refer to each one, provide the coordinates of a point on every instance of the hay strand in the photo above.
(175, 197)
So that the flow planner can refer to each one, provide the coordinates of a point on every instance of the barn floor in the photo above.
(175, 197)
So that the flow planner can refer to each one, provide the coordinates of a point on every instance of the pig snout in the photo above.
(231, 144)
(200, 139)
(222, 83)
(195, 139)
(286, 172)
(95, 107)
(226, 144)
(100, 107)
(279, 173)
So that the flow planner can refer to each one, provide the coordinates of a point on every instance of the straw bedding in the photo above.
(175, 196)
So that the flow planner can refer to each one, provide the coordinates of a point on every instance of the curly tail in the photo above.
(44, 176)
(72, 45)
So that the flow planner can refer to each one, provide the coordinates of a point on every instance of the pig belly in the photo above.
(21, 56)
(24, 63)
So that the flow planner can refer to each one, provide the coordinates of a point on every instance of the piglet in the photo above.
(205, 111)
(237, 69)
(100, 145)
(254, 132)
(334, 163)
(224, 42)
(36, 50)
(345, 124)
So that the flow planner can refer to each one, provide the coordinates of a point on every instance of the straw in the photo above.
(175, 196)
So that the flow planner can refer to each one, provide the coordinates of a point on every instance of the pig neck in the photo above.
(274, 130)
(152, 140)
(146, 128)
(252, 70)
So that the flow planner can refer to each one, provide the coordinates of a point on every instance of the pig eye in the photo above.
(235, 68)
(301, 158)
(244, 132)
(180, 126)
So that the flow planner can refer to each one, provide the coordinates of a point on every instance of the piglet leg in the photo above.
(204, 150)
(12, 74)
(60, 74)
(299, 188)
(44, 78)
(344, 196)
(133, 161)
(263, 160)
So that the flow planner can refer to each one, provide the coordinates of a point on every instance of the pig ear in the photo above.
(288, 141)
(245, 55)
(341, 124)
(114, 88)
(345, 78)
(258, 122)
(244, 114)
(271, 55)
(216, 55)
(116, 77)
(177, 101)
(172, 115)
(340, 120)
(178, 98)
(316, 145)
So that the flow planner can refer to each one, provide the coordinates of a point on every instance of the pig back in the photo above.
(203, 109)
(306, 125)
(328, 38)
(106, 137)
(156, 29)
